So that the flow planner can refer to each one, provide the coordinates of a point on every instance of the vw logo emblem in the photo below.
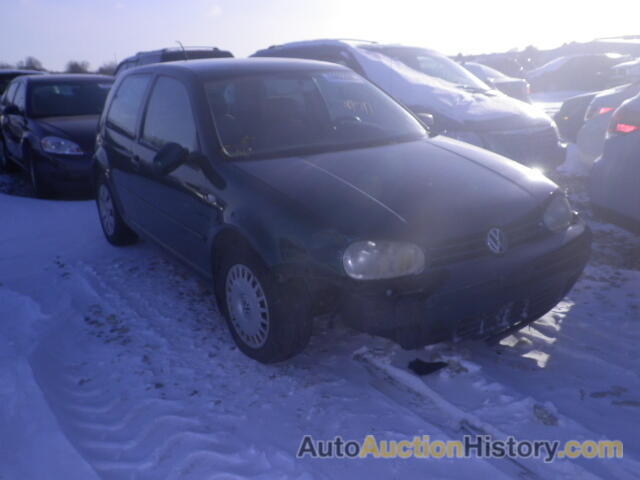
(497, 241)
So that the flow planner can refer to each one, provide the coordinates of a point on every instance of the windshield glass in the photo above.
(300, 112)
(433, 65)
(483, 71)
(68, 98)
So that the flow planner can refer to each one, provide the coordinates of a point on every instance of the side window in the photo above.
(20, 100)
(126, 103)
(7, 98)
(169, 117)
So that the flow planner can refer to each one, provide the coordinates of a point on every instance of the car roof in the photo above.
(397, 46)
(62, 77)
(212, 68)
(17, 71)
(178, 50)
(336, 42)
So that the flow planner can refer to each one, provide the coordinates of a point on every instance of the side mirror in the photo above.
(168, 158)
(11, 110)
(427, 120)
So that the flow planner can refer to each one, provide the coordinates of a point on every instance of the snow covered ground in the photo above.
(115, 364)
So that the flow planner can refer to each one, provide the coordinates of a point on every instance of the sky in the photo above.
(99, 31)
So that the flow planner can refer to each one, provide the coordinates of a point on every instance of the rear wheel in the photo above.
(269, 321)
(115, 229)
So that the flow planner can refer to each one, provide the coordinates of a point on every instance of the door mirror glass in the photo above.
(169, 157)
(427, 120)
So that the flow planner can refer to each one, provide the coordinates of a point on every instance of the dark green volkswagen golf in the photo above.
(300, 189)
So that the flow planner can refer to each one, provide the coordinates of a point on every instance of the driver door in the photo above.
(179, 205)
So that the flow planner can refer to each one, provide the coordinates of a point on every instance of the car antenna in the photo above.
(183, 50)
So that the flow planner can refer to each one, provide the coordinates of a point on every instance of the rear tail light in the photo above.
(624, 128)
(592, 112)
(604, 110)
(622, 124)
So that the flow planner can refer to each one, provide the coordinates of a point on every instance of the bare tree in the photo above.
(5, 65)
(108, 68)
(30, 63)
(75, 66)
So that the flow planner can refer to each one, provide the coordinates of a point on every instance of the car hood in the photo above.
(431, 189)
(476, 111)
(79, 129)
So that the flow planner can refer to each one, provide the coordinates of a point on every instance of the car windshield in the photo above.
(68, 98)
(434, 65)
(305, 112)
(482, 70)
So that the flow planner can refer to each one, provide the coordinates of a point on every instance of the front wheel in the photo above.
(39, 186)
(115, 229)
(6, 165)
(269, 321)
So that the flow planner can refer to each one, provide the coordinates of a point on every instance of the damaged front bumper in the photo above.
(478, 298)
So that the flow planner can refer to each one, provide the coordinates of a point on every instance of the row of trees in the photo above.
(73, 66)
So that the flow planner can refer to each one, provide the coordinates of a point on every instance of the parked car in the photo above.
(575, 72)
(570, 117)
(615, 176)
(591, 137)
(49, 125)
(171, 55)
(301, 188)
(463, 107)
(514, 87)
(6, 75)
(626, 72)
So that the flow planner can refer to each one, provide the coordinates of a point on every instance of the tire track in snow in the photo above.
(499, 412)
(122, 435)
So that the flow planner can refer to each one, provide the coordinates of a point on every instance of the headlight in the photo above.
(60, 146)
(382, 259)
(558, 215)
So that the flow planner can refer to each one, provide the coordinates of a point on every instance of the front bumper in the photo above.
(65, 171)
(474, 299)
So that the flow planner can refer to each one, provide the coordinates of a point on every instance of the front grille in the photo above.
(525, 145)
(539, 300)
(474, 246)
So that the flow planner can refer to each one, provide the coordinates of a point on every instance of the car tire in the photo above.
(114, 227)
(270, 321)
(6, 165)
(40, 188)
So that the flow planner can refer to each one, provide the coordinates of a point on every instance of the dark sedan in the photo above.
(570, 117)
(301, 189)
(615, 176)
(575, 72)
(49, 124)
(514, 87)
